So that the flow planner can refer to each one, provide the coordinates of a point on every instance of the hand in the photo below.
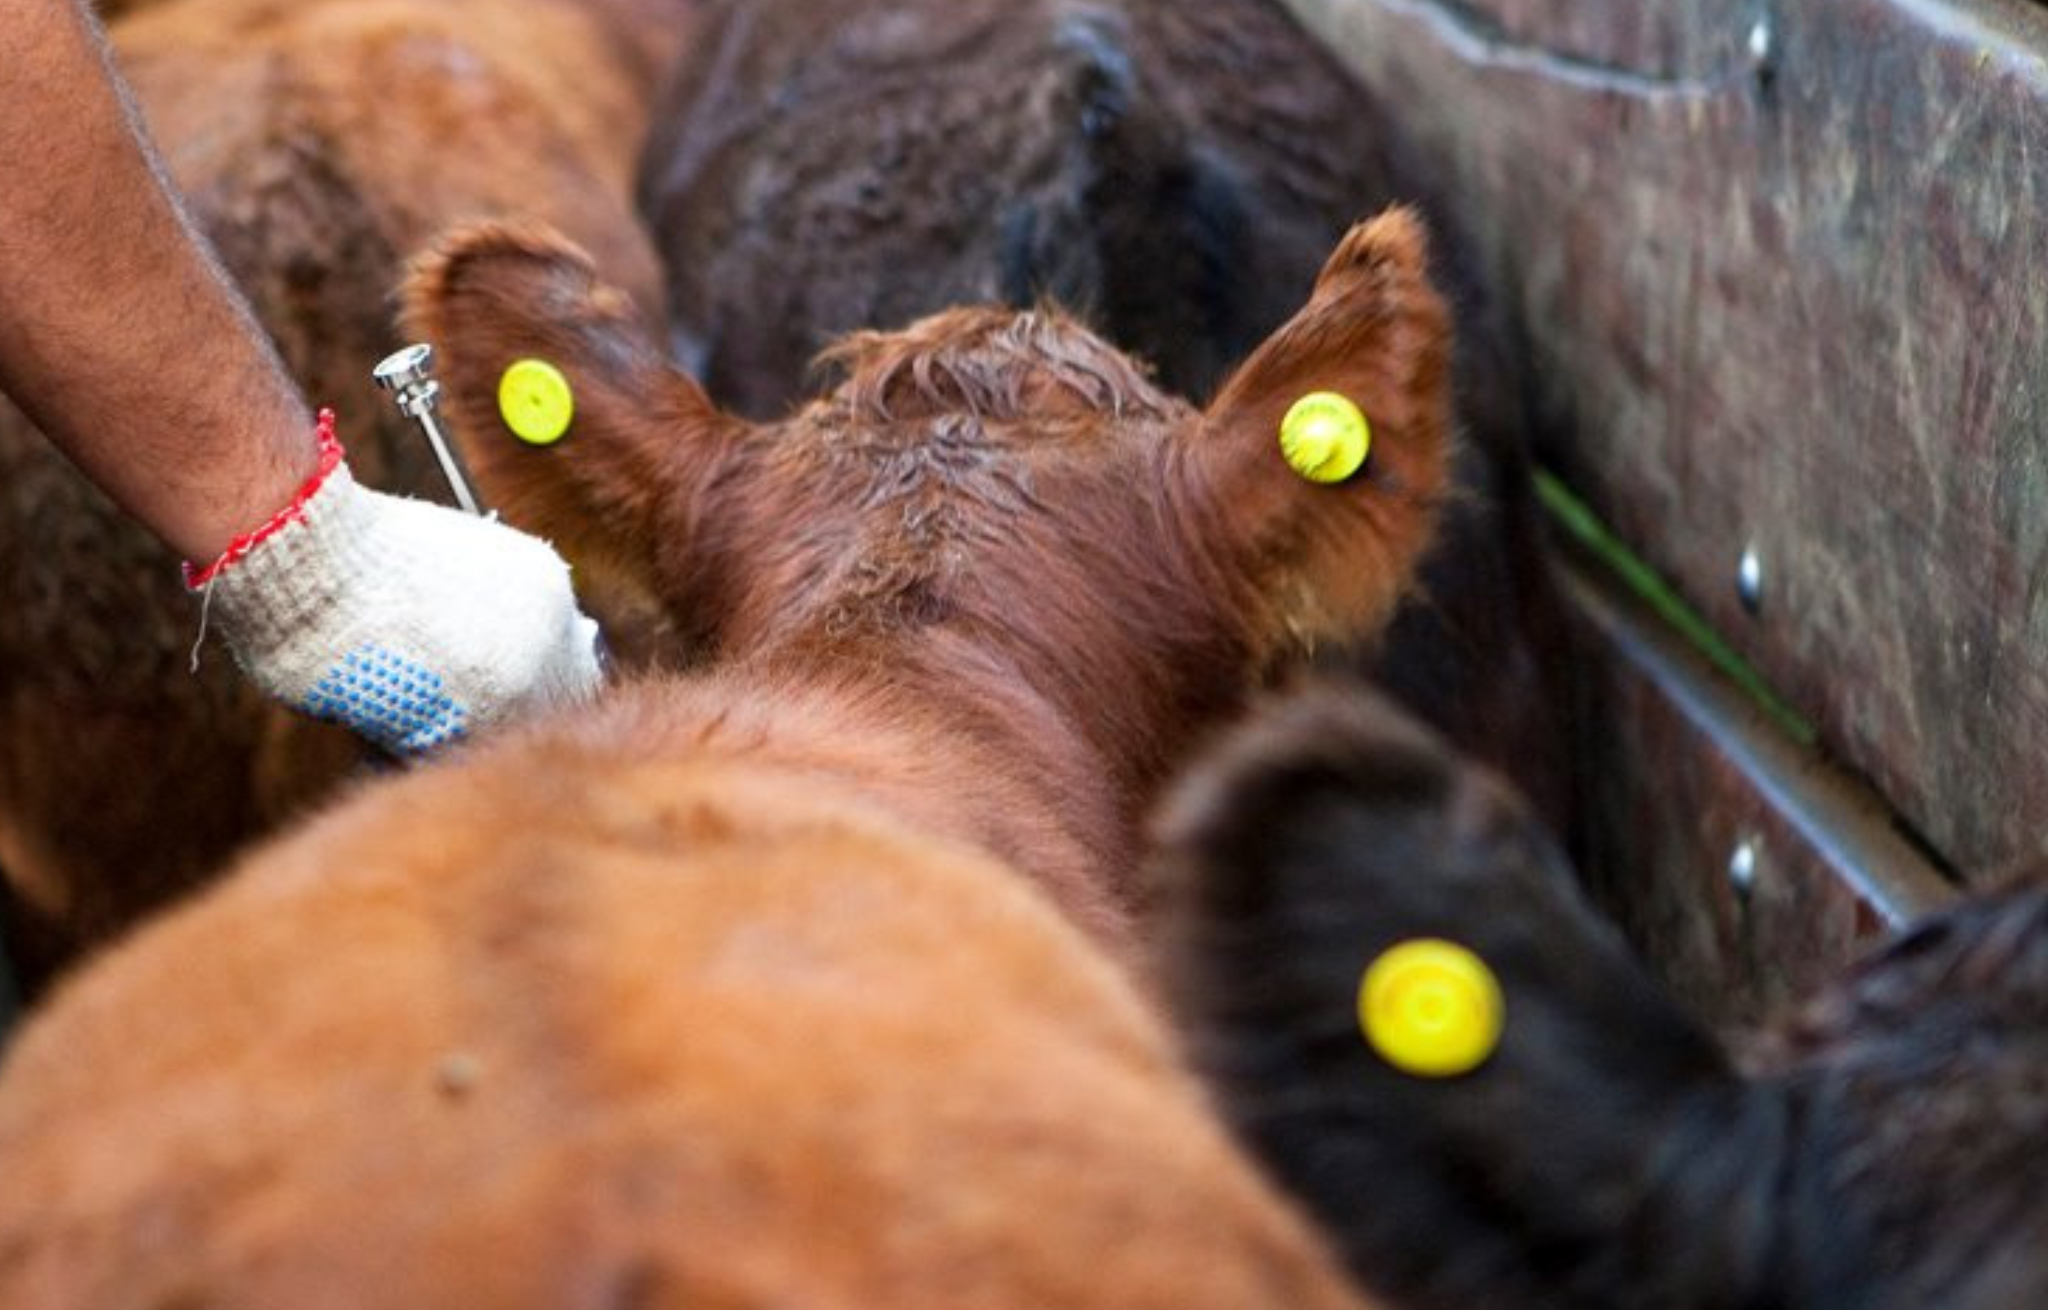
(409, 622)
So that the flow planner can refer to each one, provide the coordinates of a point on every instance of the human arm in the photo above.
(125, 343)
(119, 336)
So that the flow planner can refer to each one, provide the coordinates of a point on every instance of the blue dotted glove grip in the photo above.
(394, 701)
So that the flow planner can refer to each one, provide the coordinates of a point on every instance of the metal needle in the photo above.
(404, 374)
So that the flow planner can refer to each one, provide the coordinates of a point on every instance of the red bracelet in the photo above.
(330, 458)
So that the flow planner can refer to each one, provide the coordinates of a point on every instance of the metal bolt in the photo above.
(1742, 867)
(404, 374)
(1749, 579)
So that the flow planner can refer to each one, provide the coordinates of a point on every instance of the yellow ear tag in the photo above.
(535, 401)
(1324, 437)
(1431, 1008)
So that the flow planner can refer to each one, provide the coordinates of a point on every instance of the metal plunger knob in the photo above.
(404, 374)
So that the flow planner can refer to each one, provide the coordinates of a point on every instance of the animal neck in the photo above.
(994, 765)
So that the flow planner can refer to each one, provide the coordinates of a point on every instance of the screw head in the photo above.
(404, 373)
(1760, 40)
(402, 368)
(1749, 579)
(1742, 865)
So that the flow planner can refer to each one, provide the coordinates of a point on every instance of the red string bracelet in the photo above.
(330, 458)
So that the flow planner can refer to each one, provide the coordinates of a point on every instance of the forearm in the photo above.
(118, 335)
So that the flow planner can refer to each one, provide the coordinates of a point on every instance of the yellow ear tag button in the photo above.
(535, 401)
(1431, 1008)
(1324, 437)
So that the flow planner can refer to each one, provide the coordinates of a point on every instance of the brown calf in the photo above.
(1172, 172)
(994, 516)
(320, 142)
(751, 987)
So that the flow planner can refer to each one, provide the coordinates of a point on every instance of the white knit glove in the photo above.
(411, 623)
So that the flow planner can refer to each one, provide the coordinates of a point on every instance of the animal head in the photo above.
(1883, 1149)
(982, 492)
(1172, 173)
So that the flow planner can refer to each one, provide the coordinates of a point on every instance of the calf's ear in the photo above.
(571, 421)
(1312, 560)
(1589, 1154)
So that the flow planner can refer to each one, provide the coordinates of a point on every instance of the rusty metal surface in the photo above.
(1772, 274)
(1743, 866)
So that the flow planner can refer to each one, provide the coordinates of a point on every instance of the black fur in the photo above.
(1610, 1154)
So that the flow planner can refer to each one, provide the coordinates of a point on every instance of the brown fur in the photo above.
(729, 993)
(319, 142)
(700, 1032)
(1170, 171)
(993, 512)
